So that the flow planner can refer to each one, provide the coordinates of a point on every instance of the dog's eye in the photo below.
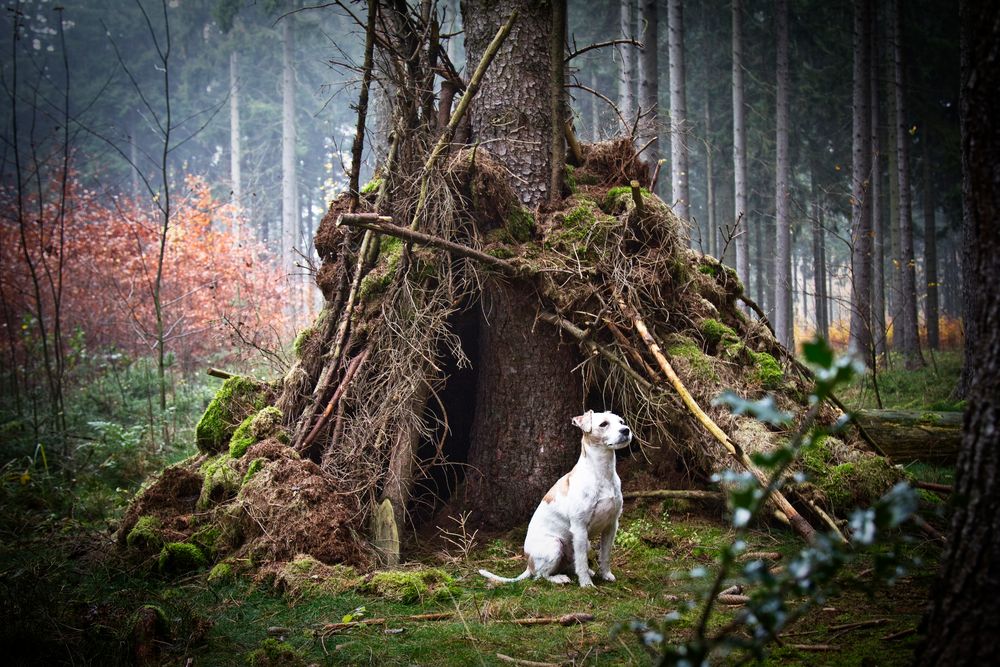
(603, 424)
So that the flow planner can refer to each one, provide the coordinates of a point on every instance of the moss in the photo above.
(274, 653)
(411, 586)
(209, 539)
(255, 467)
(145, 535)
(682, 347)
(500, 252)
(220, 482)
(617, 195)
(708, 269)
(767, 369)
(520, 224)
(222, 573)
(858, 484)
(177, 557)
(582, 227)
(815, 455)
(263, 424)
(216, 426)
(714, 332)
(371, 186)
(301, 340)
(570, 179)
(380, 277)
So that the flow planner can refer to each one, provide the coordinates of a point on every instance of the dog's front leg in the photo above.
(581, 545)
(604, 555)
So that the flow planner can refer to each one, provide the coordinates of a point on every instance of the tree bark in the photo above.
(783, 222)
(709, 182)
(819, 260)
(931, 313)
(289, 180)
(878, 324)
(680, 191)
(963, 624)
(649, 85)
(235, 153)
(626, 66)
(907, 325)
(522, 439)
(557, 76)
(740, 212)
(904, 436)
(861, 227)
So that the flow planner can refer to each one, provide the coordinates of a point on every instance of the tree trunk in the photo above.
(907, 325)
(963, 624)
(905, 436)
(892, 158)
(930, 252)
(709, 182)
(680, 192)
(289, 182)
(235, 178)
(626, 65)
(819, 260)
(557, 78)
(861, 227)
(595, 114)
(524, 441)
(649, 85)
(740, 212)
(878, 325)
(783, 222)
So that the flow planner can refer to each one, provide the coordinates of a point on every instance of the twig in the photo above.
(813, 647)
(843, 627)
(601, 45)
(219, 373)
(637, 198)
(352, 368)
(898, 635)
(525, 663)
(383, 225)
(576, 618)
(683, 494)
(929, 486)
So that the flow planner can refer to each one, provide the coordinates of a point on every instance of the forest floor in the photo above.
(68, 596)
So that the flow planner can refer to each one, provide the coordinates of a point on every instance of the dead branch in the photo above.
(813, 647)
(898, 635)
(656, 175)
(525, 663)
(637, 198)
(606, 99)
(383, 225)
(352, 368)
(601, 45)
(797, 521)
(576, 618)
(575, 151)
(456, 117)
(357, 148)
(760, 555)
(219, 373)
(732, 600)
(929, 486)
(681, 494)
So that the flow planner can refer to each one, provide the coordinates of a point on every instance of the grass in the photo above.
(929, 388)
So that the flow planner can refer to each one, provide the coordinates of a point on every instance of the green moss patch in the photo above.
(274, 653)
(237, 397)
(767, 369)
(265, 423)
(580, 228)
(145, 535)
(178, 557)
(255, 467)
(715, 332)
(302, 339)
(520, 224)
(380, 277)
(412, 586)
(860, 483)
(371, 186)
(682, 347)
(221, 482)
(222, 573)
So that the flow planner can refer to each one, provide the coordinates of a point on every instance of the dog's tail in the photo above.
(505, 580)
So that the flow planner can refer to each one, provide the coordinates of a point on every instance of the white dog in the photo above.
(584, 503)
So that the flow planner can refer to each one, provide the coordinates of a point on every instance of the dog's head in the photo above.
(603, 429)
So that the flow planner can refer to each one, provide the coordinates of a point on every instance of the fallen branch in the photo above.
(813, 647)
(525, 663)
(577, 618)
(682, 494)
(760, 555)
(574, 144)
(944, 489)
(352, 368)
(898, 635)
(383, 225)
(218, 373)
(796, 520)
(843, 627)
(330, 628)
(733, 600)
(637, 198)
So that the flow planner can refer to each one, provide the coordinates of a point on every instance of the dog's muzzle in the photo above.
(624, 438)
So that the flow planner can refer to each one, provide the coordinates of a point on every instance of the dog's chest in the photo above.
(604, 505)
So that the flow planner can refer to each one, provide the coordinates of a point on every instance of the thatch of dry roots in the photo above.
(354, 407)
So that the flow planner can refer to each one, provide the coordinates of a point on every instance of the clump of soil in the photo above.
(170, 499)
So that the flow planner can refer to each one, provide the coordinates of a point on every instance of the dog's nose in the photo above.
(625, 430)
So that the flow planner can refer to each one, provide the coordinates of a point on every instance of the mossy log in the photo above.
(904, 436)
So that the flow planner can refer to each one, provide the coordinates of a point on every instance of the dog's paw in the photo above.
(607, 576)
(559, 579)
(586, 583)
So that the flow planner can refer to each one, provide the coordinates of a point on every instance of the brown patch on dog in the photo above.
(531, 563)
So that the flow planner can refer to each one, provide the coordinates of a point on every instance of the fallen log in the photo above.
(905, 436)
(680, 494)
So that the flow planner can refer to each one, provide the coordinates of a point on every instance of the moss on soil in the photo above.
(380, 277)
(274, 653)
(298, 345)
(412, 586)
(371, 186)
(145, 535)
(715, 332)
(767, 369)
(220, 482)
(180, 557)
(222, 573)
(265, 423)
(682, 347)
(860, 483)
(255, 467)
(237, 396)
(520, 225)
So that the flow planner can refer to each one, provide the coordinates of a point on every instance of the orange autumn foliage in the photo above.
(211, 284)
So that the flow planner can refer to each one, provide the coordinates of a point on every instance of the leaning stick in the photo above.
(352, 368)
(383, 225)
(681, 494)
(456, 117)
(797, 521)
(577, 618)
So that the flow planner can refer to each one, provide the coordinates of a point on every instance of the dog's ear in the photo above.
(585, 422)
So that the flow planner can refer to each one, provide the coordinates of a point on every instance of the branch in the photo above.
(383, 225)
(352, 368)
(601, 45)
(680, 494)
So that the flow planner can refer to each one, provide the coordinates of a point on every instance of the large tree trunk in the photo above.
(930, 253)
(740, 212)
(963, 624)
(289, 180)
(861, 228)
(235, 178)
(819, 259)
(709, 182)
(906, 326)
(782, 183)
(680, 192)
(878, 325)
(522, 438)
